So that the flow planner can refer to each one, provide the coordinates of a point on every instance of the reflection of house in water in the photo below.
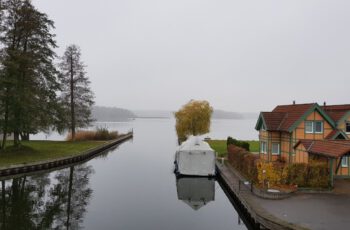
(195, 191)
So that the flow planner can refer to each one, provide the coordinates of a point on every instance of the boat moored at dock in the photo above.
(194, 157)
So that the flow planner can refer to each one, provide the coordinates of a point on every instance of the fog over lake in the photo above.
(220, 128)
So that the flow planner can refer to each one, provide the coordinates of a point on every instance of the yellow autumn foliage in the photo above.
(268, 172)
(193, 119)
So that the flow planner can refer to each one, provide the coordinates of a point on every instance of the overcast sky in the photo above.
(239, 55)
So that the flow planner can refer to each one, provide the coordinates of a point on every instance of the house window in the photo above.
(344, 162)
(313, 126)
(347, 128)
(263, 147)
(318, 127)
(309, 127)
(275, 148)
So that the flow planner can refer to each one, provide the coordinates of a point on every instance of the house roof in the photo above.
(336, 112)
(292, 114)
(273, 120)
(287, 117)
(335, 133)
(328, 148)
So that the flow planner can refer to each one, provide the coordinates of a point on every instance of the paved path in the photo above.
(251, 202)
(329, 211)
(315, 211)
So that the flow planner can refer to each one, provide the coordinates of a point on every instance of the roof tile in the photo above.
(328, 148)
(336, 112)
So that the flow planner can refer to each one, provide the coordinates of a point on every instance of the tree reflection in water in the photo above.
(56, 200)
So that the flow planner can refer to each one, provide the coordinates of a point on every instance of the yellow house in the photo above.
(297, 132)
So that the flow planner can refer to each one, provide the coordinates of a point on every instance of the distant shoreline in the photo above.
(156, 117)
(153, 117)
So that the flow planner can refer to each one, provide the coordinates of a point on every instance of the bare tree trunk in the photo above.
(72, 98)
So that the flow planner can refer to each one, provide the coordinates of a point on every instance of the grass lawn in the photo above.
(34, 151)
(220, 146)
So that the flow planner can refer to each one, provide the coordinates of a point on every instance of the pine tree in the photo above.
(30, 78)
(76, 92)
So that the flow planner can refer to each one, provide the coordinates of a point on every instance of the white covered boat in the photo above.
(195, 158)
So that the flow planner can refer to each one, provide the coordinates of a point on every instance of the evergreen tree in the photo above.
(76, 92)
(30, 83)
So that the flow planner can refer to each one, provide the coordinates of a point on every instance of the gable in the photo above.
(340, 136)
(320, 114)
(260, 124)
(337, 135)
(287, 118)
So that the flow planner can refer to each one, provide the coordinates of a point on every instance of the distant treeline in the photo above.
(221, 114)
(100, 113)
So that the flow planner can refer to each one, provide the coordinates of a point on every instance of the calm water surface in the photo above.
(129, 187)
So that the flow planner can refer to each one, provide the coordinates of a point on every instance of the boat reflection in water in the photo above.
(195, 191)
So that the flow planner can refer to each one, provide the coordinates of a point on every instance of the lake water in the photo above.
(220, 128)
(129, 187)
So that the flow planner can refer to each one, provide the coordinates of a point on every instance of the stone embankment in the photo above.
(62, 162)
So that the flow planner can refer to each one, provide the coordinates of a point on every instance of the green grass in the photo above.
(220, 146)
(34, 151)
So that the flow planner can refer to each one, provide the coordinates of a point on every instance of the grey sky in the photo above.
(238, 55)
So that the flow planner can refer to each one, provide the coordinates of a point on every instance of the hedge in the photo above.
(311, 175)
(315, 174)
(242, 144)
(243, 161)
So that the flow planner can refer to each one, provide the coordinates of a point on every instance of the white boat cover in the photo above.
(195, 158)
(195, 192)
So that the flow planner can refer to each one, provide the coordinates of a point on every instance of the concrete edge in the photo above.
(61, 162)
(256, 212)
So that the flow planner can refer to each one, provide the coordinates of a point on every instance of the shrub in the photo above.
(104, 134)
(297, 174)
(315, 174)
(243, 161)
(318, 175)
(242, 144)
(100, 134)
(272, 172)
(312, 175)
